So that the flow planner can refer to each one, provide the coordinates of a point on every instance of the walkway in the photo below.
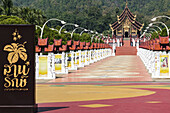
(96, 88)
(118, 68)
(126, 49)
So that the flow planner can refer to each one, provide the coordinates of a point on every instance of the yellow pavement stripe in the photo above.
(71, 93)
(95, 105)
(152, 102)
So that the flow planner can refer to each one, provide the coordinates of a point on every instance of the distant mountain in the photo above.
(96, 14)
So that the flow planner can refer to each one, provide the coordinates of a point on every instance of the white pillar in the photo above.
(133, 42)
(118, 42)
(73, 66)
(91, 56)
(95, 55)
(137, 44)
(86, 57)
(80, 62)
(37, 65)
(83, 58)
(113, 48)
(64, 63)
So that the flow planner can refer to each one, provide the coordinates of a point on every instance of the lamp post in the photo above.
(157, 27)
(96, 36)
(154, 19)
(93, 35)
(65, 25)
(84, 31)
(37, 26)
(107, 39)
(99, 37)
(148, 37)
(42, 29)
(91, 32)
(162, 24)
(67, 32)
(152, 29)
(54, 29)
(142, 34)
(75, 30)
(146, 34)
(150, 32)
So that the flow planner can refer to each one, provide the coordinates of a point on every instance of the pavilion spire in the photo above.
(126, 3)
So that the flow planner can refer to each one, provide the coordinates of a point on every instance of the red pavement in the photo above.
(126, 49)
(158, 102)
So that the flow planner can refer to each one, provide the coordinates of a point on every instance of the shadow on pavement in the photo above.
(43, 109)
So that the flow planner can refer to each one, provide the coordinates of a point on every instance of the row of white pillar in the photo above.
(118, 44)
(157, 62)
(48, 66)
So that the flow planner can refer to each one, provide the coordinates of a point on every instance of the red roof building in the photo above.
(126, 25)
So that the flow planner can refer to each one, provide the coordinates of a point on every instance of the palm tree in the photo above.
(7, 6)
(39, 16)
(32, 16)
(1, 10)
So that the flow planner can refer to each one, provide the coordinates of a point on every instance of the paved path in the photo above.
(126, 49)
(118, 68)
(95, 89)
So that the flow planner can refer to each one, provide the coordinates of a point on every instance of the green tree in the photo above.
(117, 11)
(7, 7)
(77, 11)
(154, 35)
(11, 20)
(164, 32)
(32, 16)
(85, 37)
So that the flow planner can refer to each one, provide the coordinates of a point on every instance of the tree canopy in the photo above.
(97, 14)
(93, 15)
(4, 19)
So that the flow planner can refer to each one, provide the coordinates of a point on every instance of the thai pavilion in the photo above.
(126, 26)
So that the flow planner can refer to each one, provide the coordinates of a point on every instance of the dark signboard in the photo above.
(17, 69)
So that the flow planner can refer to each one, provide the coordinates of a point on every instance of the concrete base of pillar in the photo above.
(113, 54)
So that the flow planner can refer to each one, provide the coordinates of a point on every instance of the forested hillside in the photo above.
(96, 14)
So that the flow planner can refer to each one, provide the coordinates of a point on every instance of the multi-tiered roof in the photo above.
(126, 14)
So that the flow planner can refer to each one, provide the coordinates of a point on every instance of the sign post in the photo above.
(17, 69)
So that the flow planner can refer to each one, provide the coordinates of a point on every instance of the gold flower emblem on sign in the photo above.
(16, 51)
(16, 35)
